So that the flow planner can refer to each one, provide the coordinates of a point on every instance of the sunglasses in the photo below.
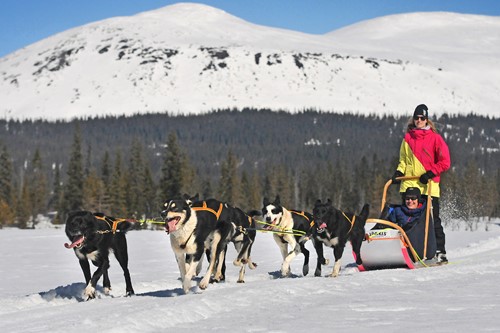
(411, 198)
(419, 118)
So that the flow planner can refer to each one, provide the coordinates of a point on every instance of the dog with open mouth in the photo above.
(92, 237)
(334, 228)
(288, 227)
(194, 228)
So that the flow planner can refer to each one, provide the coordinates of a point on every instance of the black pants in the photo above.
(438, 227)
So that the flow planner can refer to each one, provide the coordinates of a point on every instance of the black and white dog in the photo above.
(282, 221)
(243, 237)
(193, 228)
(333, 229)
(92, 237)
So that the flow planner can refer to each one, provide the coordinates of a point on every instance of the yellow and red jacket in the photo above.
(423, 150)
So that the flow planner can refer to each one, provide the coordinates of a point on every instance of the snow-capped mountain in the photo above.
(192, 58)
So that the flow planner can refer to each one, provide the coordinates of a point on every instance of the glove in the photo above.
(396, 175)
(424, 179)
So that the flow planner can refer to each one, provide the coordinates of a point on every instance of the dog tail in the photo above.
(254, 212)
(364, 213)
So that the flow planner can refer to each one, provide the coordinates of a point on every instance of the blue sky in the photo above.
(23, 22)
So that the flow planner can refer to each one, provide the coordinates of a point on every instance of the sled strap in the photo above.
(208, 209)
(303, 214)
(250, 220)
(350, 221)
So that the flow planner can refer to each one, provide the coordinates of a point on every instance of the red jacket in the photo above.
(423, 150)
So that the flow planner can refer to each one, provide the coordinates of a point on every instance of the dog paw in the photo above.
(89, 292)
(305, 270)
(204, 283)
(218, 278)
(317, 273)
(237, 262)
(186, 286)
(107, 290)
(285, 273)
(252, 265)
(240, 281)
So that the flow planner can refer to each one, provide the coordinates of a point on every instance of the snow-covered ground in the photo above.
(41, 291)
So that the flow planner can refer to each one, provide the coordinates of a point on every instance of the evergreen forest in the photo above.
(128, 166)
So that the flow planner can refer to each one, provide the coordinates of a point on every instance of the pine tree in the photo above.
(6, 187)
(7, 201)
(245, 191)
(255, 197)
(73, 191)
(56, 200)
(106, 181)
(23, 208)
(135, 198)
(93, 193)
(150, 207)
(284, 187)
(118, 189)
(37, 184)
(171, 181)
(229, 183)
(106, 169)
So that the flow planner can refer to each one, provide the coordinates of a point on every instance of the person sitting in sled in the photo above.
(424, 153)
(410, 211)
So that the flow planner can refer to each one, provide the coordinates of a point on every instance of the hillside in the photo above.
(192, 59)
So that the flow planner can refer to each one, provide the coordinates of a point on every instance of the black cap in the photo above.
(421, 111)
(412, 191)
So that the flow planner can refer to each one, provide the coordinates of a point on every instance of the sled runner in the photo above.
(387, 245)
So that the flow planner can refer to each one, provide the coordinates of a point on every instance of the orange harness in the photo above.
(113, 228)
(350, 221)
(208, 209)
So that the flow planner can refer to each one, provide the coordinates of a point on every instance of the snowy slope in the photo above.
(41, 288)
(192, 58)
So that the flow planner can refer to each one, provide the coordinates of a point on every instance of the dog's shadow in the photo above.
(75, 292)
(277, 275)
(165, 293)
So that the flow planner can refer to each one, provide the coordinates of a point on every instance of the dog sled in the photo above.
(387, 245)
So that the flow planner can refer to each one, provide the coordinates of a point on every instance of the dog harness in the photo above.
(350, 221)
(112, 228)
(208, 209)
(302, 213)
(205, 208)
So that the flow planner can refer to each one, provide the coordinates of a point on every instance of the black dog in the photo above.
(196, 226)
(92, 236)
(289, 227)
(243, 237)
(334, 228)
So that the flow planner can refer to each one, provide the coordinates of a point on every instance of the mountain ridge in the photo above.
(191, 59)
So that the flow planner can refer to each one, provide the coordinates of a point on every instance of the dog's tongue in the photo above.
(323, 225)
(75, 243)
(171, 225)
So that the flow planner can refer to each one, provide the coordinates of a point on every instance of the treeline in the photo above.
(127, 167)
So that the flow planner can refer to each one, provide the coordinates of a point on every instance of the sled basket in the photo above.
(387, 245)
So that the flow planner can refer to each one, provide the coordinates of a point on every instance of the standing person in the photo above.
(424, 153)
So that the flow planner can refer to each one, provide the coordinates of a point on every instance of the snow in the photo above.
(166, 61)
(41, 290)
